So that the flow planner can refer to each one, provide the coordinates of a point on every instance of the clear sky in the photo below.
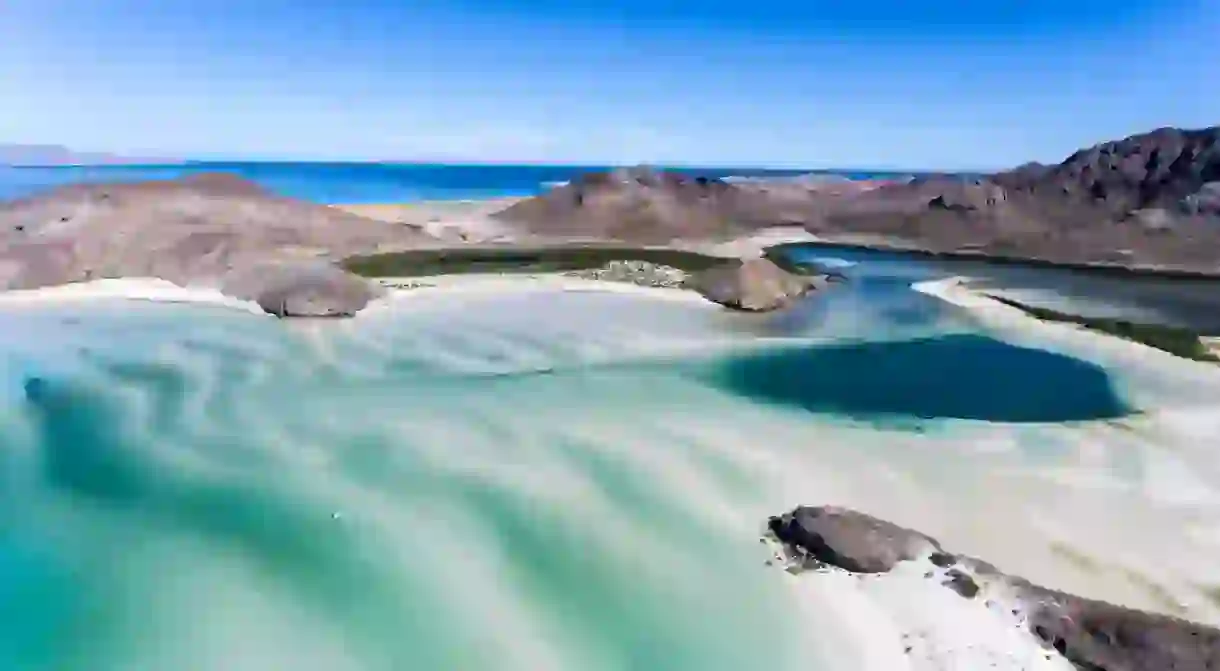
(950, 84)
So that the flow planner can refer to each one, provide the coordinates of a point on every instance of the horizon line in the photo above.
(486, 163)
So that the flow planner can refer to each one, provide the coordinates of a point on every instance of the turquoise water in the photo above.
(947, 377)
(538, 480)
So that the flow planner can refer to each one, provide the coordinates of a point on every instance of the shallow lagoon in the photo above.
(555, 480)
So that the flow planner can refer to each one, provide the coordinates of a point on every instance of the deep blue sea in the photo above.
(528, 478)
(357, 182)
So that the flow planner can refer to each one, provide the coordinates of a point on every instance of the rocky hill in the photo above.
(1149, 200)
(212, 229)
(1160, 169)
(648, 206)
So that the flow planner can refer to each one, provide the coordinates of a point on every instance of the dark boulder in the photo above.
(850, 539)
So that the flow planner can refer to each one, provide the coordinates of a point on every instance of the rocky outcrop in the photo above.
(206, 229)
(1092, 635)
(302, 289)
(753, 285)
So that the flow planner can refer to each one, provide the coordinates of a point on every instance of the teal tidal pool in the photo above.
(965, 376)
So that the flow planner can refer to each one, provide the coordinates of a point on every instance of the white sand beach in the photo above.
(446, 220)
(402, 290)
(150, 289)
(492, 283)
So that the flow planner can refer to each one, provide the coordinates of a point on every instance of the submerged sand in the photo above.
(498, 410)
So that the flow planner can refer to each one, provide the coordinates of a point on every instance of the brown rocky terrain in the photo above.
(1149, 201)
(753, 285)
(652, 207)
(210, 229)
(1092, 635)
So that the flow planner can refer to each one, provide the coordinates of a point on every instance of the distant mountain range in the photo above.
(53, 155)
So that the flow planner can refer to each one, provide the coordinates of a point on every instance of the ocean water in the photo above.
(355, 182)
(538, 479)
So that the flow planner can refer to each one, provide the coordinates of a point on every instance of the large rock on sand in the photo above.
(302, 289)
(753, 285)
(850, 539)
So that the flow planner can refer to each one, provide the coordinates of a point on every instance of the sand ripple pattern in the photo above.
(539, 481)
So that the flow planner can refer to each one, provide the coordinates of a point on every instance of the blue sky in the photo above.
(957, 84)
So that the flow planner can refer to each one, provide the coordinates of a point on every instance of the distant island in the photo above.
(51, 155)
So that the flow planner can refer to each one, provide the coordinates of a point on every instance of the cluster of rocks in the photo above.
(407, 284)
(641, 273)
(1092, 635)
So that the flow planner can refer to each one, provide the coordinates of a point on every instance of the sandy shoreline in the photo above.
(145, 289)
(955, 290)
(400, 289)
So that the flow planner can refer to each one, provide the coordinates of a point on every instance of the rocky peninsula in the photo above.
(1092, 635)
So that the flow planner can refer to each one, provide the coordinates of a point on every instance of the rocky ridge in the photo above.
(1149, 201)
(1092, 635)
